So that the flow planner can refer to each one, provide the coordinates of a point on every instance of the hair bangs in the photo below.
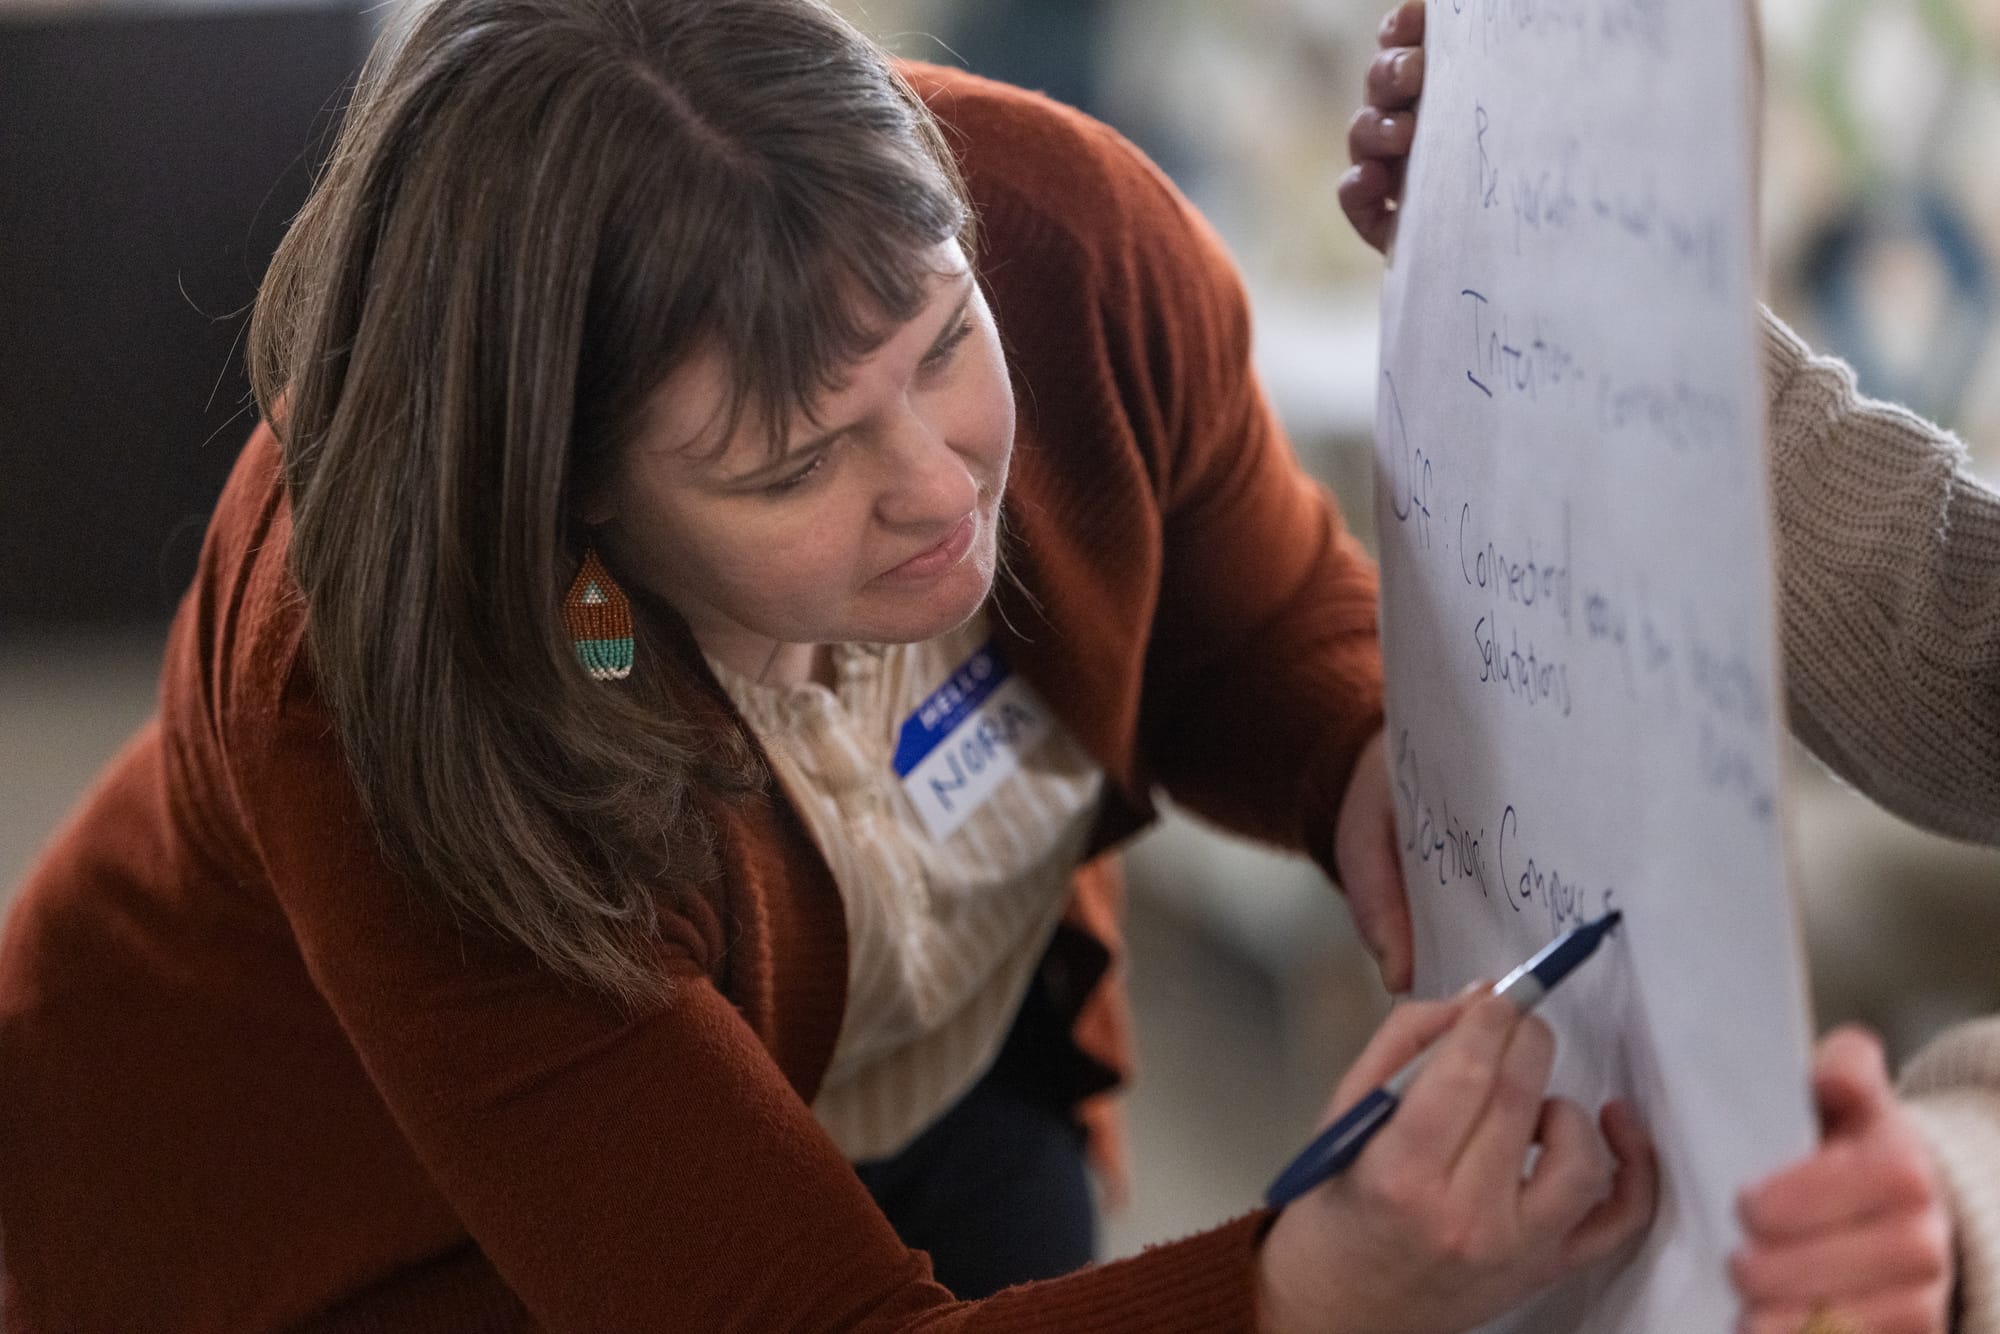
(821, 282)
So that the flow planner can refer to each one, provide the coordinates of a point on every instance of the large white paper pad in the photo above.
(1584, 708)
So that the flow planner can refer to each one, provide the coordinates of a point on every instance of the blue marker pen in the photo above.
(1334, 1148)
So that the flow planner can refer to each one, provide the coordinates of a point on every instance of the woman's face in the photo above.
(876, 525)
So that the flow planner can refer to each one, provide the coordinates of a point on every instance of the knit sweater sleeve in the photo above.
(1889, 570)
(621, 1171)
(1953, 1090)
(1160, 452)
(1265, 670)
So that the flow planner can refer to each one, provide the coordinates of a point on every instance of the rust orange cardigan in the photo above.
(248, 1081)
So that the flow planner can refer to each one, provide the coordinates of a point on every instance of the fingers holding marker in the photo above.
(1449, 1096)
(1623, 1215)
(1409, 1029)
(1573, 1172)
(1490, 1165)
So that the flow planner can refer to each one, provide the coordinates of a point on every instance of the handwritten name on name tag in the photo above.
(967, 738)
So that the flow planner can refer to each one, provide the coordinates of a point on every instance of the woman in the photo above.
(613, 855)
(1889, 585)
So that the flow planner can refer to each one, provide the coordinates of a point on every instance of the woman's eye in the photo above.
(940, 354)
(794, 480)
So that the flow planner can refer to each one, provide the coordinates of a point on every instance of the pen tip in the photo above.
(1609, 922)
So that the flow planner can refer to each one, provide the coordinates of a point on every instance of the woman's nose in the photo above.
(924, 480)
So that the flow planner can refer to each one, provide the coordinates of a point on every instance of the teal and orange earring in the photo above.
(599, 618)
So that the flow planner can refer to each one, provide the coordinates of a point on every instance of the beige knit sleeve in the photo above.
(1952, 1087)
(1889, 578)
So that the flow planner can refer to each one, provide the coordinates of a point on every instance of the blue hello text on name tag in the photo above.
(967, 738)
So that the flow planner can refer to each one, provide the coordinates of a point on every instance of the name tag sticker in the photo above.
(967, 738)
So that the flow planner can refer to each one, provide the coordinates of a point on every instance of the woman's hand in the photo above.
(1371, 871)
(1858, 1229)
(1435, 1227)
(1379, 136)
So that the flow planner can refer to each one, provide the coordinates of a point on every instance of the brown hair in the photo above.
(536, 209)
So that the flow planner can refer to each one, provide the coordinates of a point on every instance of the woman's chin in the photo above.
(953, 599)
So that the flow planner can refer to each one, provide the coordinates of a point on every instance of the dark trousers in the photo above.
(996, 1191)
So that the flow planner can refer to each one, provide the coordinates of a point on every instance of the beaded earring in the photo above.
(599, 619)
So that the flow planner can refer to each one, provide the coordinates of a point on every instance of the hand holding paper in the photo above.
(1860, 1226)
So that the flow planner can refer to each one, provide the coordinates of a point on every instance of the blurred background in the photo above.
(150, 155)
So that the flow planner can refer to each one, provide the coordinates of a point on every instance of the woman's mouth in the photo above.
(944, 555)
